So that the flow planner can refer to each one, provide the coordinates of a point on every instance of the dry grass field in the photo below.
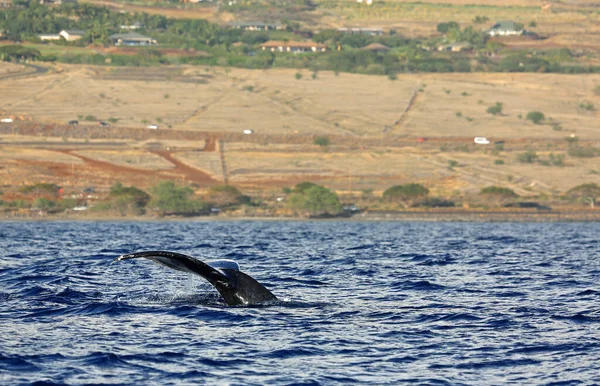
(368, 152)
(275, 102)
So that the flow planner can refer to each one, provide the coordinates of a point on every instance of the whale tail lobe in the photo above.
(236, 287)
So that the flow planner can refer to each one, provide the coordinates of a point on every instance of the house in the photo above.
(362, 31)
(57, 2)
(72, 35)
(377, 48)
(132, 27)
(131, 39)
(455, 47)
(68, 35)
(295, 47)
(256, 26)
(506, 28)
(47, 37)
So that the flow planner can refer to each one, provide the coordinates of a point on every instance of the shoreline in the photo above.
(400, 216)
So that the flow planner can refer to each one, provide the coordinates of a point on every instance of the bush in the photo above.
(583, 152)
(528, 157)
(498, 191)
(536, 117)
(127, 200)
(445, 27)
(434, 202)
(315, 200)
(226, 195)
(169, 199)
(495, 109)
(41, 188)
(321, 141)
(405, 194)
(588, 193)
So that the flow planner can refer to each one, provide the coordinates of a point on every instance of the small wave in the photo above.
(202, 246)
(361, 247)
(289, 353)
(587, 292)
(579, 318)
(16, 363)
(488, 364)
(499, 239)
(305, 282)
(103, 359)
(421, 285)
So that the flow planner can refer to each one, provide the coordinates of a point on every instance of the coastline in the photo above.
(588, 215)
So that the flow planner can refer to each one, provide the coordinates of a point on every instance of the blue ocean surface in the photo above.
(381, 303)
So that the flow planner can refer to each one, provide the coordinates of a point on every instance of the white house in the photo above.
(47, 37)
(506, 28)
(72, 35)
(295, 47)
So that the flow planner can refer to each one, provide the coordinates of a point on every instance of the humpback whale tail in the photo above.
(236, 287)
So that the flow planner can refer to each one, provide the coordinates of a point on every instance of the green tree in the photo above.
(44, 204)
(226, 195)
(587, 193)
(495, 109)
(321, 140)
(169, 199)
(498, 194)
(127, 200)
(405, 194)
(314, 200)
(536, 117)
(445, 27)
(528, 157)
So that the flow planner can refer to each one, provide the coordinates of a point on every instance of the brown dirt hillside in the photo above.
(202, 113)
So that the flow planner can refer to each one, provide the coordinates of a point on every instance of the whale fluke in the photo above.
(236, 287)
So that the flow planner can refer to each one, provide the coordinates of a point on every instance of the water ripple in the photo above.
(361, 303)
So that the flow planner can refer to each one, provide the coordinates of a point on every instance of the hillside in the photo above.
(417, 128)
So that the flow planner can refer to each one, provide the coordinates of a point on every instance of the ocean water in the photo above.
(381, 303)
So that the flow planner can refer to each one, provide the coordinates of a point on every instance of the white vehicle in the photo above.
(248, 131)
(6, 120)
(481, 141)
(153, 127)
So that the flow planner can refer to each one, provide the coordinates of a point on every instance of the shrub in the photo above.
(499, 162)
(41, 188)
(498, 191)
(315, 200)
(528, 157)
(588, 193)
(445, 27)
(169, 199)
(44, 204)
(303, 187)
(557, 159)
(583, 152)
(298, 76)
(126, 200)
(587, 106)
(495, 109)
(226, 195)
(535, 116)
(434, 202)
(321, 141)
(405, 194)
